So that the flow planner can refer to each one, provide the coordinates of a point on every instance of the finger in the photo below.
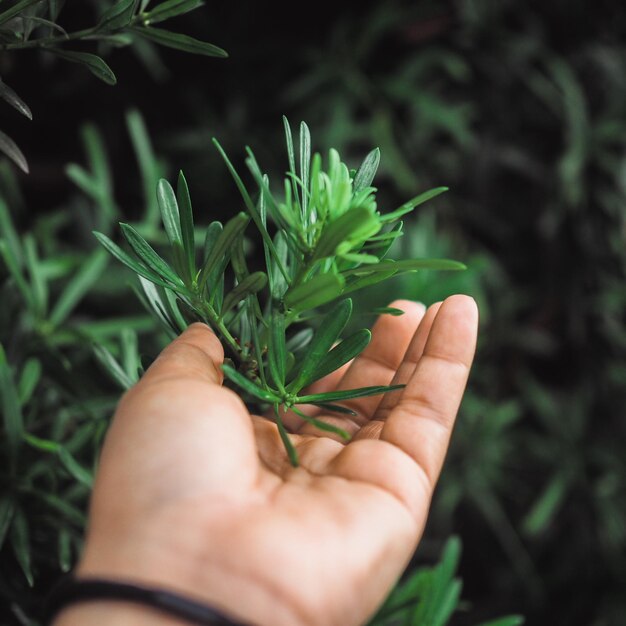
(409, 362)
(378, 363)
(421, 423)
(196, 355)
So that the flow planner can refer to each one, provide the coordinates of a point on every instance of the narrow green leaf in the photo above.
(31, 374)
(510, 620)
(64, 548)
(407, 207)
(289, 447)
(292, 160)
(112, 367)
(83, 180)
(91, 61)
(333, 396)
(248, 286)
(305, 162)
(98, 181)
(39, 285)
(408, 265)
(278, 284)
(366, 172)
(360, 282)
(329, 330)
(211, 236)
(169, 211)
(20, 540)
(11, 263)
(180, 42)
(247, 385)
(250, 206)
(148, 165)
(354, 225)
(384, 245)
(148, 255)
(11, 409)
(319, 290)
(171, 304)
(186, 222)
(340, 355)
(388, 310)
(150, 297)
(546, 505)
(9, 236)
(75, 469)
(118, 16)
(43, 445)
(137, 267)
(335, 408)
(9, 95)
(70, 512)
(447, 603)
(7, 508)
(233, 228)
(78, 286)
(331, 428)
(9, 147)
(131, 360)
(277, 354)
(355, 257)
(449, 560)
(170, 8)
(40, 21)
(16, 9)
(300, 340)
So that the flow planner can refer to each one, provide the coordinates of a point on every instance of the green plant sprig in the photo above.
(323, 239)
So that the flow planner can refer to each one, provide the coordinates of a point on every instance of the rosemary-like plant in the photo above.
(323, 239)
(33, 24)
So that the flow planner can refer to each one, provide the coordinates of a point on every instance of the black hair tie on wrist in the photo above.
(74, 590)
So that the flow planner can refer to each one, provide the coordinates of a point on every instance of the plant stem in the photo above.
(218, 325)
(44, 42)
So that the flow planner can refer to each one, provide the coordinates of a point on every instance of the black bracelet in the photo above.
(73, 590)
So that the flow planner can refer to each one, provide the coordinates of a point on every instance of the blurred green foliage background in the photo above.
(519, 107)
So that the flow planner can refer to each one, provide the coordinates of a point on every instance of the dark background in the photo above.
(519, 107)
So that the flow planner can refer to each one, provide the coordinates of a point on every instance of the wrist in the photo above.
(181, 562)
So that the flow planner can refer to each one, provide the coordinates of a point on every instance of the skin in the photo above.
(196, 495)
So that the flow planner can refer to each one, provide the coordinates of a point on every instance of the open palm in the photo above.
(195, 494)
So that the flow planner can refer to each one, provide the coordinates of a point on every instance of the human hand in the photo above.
(196, 495)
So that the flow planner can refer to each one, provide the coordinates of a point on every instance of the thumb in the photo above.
(178, 432)
(196, 355)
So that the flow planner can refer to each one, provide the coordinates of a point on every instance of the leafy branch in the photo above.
(32, 24)
(322, 239)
